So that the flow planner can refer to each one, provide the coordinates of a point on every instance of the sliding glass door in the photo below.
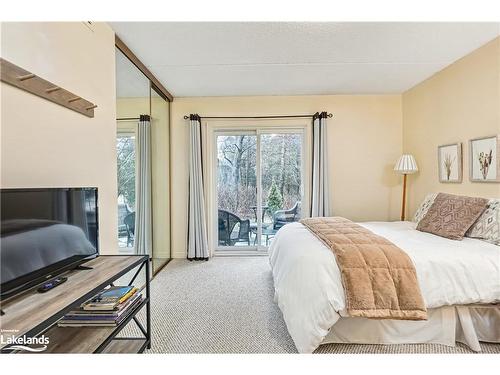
(236, 189)
(259, 177)
(281, 181)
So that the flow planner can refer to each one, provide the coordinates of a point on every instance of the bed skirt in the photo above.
(446, 325)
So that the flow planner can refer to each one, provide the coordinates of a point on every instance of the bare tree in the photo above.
(281, 161)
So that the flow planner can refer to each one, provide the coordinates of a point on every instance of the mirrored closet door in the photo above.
(136, 96)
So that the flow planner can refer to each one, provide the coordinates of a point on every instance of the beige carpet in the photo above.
(226, 305)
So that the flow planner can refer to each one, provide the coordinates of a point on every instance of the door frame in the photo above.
(210, 131)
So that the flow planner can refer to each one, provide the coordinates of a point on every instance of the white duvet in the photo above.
(308, 286)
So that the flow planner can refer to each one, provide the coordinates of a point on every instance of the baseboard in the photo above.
(179, 255)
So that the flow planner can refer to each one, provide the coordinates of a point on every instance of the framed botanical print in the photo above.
(450, 163)
(484, 159)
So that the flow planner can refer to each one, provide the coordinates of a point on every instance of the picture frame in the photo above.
(484, 159)
(450, 167)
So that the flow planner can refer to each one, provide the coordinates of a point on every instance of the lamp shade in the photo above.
(406, 164)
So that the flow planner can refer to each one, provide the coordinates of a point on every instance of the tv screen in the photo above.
(45, 232)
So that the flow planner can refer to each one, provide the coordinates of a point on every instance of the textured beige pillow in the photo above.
(487, 227)
(450, 216)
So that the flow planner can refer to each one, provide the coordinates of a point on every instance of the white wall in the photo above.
(47, 145)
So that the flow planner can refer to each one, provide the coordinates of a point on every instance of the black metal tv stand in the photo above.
(34, 315)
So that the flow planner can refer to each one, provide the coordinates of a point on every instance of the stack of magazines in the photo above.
(106, 309)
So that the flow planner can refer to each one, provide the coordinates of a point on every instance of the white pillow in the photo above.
(424, 207)
(487, 227)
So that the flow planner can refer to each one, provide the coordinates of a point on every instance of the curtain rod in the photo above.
(132, 118)
(127, 118)
(186, 117)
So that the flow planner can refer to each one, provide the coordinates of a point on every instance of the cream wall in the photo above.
(365, 140)
(47, 145)
(131, 107)
(458, 103)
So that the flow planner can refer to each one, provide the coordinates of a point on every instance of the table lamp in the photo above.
(406, 165)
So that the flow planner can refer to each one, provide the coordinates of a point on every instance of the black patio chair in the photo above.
(129, 222)
(283, 217)
(227, 222)
(122, 212)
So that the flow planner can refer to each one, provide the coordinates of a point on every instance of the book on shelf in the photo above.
(113, 316)
(80, 313)
(109, 299)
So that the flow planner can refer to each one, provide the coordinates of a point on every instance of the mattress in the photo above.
(308, 286)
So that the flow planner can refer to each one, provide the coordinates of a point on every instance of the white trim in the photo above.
(258, 184)
(125, 134)
(126, 127)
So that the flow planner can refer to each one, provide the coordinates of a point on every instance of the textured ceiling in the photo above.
(278, 58)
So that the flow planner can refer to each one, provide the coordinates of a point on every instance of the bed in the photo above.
(459, 282)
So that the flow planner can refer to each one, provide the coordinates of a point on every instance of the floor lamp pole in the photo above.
(403, 206)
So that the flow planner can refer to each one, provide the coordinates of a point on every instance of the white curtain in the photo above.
(143, 221)
(320, 205)
(197, 229)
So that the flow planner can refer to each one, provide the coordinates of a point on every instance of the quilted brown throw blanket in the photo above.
(379, 278)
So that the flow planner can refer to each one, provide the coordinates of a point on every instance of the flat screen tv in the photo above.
(45, 232)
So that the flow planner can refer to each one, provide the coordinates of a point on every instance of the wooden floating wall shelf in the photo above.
(20, 78)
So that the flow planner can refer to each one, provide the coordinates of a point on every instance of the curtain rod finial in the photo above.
(330, 115)
(186, 117)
